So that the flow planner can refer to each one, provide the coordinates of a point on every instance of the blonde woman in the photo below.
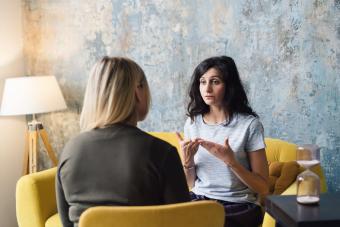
(112, 162)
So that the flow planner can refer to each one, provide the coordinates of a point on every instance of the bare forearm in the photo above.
(190, 174)
(188, 150)
(253, 180)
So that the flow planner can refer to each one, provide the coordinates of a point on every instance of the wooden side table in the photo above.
(288, 213)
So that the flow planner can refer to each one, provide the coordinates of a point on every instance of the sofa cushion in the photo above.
(281, 175)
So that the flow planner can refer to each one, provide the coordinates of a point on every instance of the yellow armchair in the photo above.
(36, 200)
(189, 214)
(36, 204)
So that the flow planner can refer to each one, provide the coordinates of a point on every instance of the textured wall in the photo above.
(287, 52)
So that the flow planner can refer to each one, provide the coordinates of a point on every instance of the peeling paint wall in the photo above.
(287, 52)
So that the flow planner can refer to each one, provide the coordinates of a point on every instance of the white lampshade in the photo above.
(31, 95)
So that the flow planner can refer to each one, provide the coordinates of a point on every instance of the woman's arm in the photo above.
(190, 174)
(62, 205)
(256, 179)
(188, 151)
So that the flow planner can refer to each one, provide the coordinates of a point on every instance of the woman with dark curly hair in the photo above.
(224, 151)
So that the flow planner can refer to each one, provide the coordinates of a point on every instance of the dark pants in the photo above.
(237, 214)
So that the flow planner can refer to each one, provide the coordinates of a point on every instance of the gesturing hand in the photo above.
(223, 152)
(188, 150)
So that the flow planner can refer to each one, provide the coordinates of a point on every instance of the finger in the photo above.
(195, 147)
(195, 143)
(192, 148)
(196, 140)
(206, 144)
(179, 137)
(189, 147)
(199, 141)
(226, 142)
(184, 143)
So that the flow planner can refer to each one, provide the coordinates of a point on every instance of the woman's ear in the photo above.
(141, 105)
(138, 95)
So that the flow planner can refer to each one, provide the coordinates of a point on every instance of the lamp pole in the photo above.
(36, 129)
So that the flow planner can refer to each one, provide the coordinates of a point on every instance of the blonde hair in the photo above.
(110, 92)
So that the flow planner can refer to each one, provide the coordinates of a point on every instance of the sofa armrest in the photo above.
(35, 198)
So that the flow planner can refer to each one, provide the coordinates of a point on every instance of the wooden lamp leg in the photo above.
(33, 151)
(49, 149)
(30, 163)
(25, 164)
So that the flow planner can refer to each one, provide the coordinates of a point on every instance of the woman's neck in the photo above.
(216, 115)
(132, 120)
(132, 123)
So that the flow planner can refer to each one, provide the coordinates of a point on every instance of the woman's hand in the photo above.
(256, 179)
(223, 152)
(188, 150)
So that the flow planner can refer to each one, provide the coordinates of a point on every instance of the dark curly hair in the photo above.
(235, 99)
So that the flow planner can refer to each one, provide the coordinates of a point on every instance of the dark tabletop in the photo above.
(288, 212)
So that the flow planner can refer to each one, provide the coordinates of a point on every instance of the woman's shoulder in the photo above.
(241, 117)
(196, 120)
(157, 142)
(86, 136)
(247, 120)
(79, 140)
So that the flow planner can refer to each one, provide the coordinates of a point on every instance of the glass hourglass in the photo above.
(308, 183)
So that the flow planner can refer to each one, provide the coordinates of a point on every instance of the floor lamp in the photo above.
(29, 96)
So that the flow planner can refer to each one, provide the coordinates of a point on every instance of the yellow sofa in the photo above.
(36, 200)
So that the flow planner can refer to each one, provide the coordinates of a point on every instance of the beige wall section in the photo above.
(12, 129)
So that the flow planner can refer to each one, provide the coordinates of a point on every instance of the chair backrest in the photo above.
(188, 214)
(280, 150)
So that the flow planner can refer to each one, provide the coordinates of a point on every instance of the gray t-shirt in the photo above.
(214, 178)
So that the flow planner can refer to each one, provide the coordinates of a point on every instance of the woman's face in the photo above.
(212, 87)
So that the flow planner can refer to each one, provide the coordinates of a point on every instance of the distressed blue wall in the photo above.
(287, 52)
